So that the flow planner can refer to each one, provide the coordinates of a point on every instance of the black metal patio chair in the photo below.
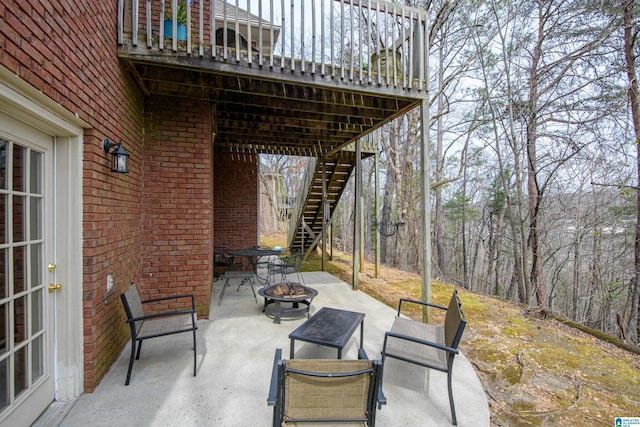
(223, 262)
(427, 345)
(145, 326)
(288, 264)
(325, 391)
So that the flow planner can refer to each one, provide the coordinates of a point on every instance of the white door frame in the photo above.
(25, 103)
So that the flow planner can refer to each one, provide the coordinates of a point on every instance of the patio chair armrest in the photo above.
(413, 301)
(272, 399)
(157, 315)
(362, 354)
(174, 297)
(418, 341)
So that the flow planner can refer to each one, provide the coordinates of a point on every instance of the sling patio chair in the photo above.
(325, 391)
(427, 345)
(158, 324)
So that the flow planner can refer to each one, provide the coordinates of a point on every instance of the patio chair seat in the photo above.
(164, 325)
(431, 346)
(415, 351)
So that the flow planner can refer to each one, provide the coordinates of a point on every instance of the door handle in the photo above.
(53, 287)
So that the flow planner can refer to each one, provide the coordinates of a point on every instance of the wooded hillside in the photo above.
(534, 160)
(535, 370)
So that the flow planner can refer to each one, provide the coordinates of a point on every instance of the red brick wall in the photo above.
(68, 51)
(152, 225)
(235, 200)
(177, 205)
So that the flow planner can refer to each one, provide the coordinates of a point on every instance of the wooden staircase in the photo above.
(305, 226)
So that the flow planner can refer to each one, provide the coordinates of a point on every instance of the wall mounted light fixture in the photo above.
(119, 156)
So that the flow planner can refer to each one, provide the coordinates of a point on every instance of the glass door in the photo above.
(26, 308)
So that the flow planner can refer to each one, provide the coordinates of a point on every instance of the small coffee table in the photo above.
(330, 327)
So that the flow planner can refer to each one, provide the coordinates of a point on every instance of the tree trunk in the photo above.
(536, 284)
(390, 148)
(633, 326)
(439, 235)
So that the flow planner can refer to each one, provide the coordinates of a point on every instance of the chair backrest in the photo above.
(132, 304)
(295, 261)
(221, 256)
(328, 390)
(454, 322)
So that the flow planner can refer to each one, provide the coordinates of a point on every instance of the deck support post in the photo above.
(357, 223)
(325, 215)
(376, 204)
(425, 222)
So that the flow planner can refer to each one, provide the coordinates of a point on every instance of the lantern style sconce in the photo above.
(119, 156)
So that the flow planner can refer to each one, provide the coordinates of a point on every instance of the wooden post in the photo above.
(376, 203)
(356, 216)
(323, 244)
(426, 211)
(331, 241)
(361, 234)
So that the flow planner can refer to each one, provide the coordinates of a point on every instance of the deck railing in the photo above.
(368, 144)
(372, 42)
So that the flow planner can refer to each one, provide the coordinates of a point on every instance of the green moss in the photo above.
(516, 327)
(524, 406)
(512, 374)
(521, 413)
(470, 303)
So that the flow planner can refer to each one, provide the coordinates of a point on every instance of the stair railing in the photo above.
(295, 220)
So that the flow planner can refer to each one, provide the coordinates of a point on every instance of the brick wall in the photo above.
(68, 51)
(235, 200)
(177, 205)
(154, 224)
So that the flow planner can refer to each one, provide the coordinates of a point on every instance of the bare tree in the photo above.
(280, 178)
(630, 29)
(542, 217)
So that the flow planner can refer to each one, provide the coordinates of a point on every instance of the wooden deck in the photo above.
(308, 86)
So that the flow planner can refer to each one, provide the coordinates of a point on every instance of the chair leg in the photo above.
(139, 348)
(226, 283)
(251, 281)
(451, 404)
(272, 275)
(382, 359)
(133, 355)
(301, 280)
(194, 352)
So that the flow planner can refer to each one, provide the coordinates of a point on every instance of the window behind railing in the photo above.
(362, 41)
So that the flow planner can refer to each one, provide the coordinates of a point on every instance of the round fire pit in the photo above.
(299, 296)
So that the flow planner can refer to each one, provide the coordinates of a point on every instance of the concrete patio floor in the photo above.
(235, 355)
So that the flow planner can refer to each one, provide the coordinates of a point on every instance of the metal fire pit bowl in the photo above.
(287, 300)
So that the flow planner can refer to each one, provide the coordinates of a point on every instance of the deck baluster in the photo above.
(364, 42)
